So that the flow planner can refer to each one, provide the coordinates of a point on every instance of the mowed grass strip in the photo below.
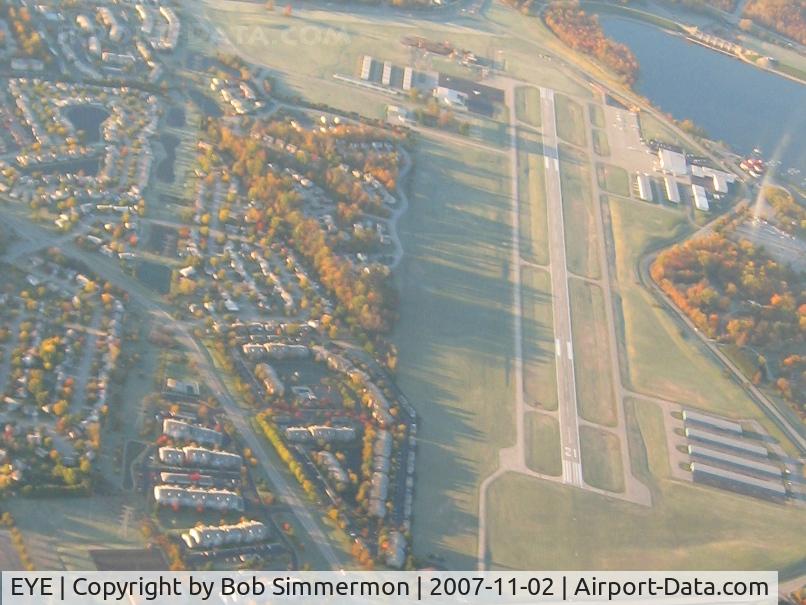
(527, 105)
(543, 444)
(601, 459)
(582, 241)
(532, 220)
(592, 354)
(686, 371)
(537, 524)
(613, 179)
(653, 129)
(455, 337)
(539, 371)
(570, 120)
(600, 144)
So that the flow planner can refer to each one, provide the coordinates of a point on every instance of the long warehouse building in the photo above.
(712, 421)
(672, 192)
(700, 198)
(366, 67)
(644, 187)
(726, 442)
(700, 452)
(704, 473)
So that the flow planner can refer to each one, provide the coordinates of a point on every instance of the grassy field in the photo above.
(540, 382)
(305, 50)
(651, 128)
(592, 354)
(689, 526)
(596, 115)
(527, 105)
(156, 276)
(543, 444)
(59, 532)
(523, 43)
(601, 459)
(532, 190)
(600, 144)
(570, 121)
(613, 179)
(685, 372)
(455, 338)
(578, 210)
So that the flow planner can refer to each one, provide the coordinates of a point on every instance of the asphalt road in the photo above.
(110, 271)
(561, 303)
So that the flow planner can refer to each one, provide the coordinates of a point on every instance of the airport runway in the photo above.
(561, 303)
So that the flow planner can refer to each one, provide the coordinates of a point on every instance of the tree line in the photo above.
(736, 294)
(787, 17)
(582, 32)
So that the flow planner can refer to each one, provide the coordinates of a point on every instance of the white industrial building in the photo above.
(672, 191)
(450, 97)
(729, 443)
(386, 77)
(644, 187)
(710, 455)
(705, 473)
(712, 422)
(673, 162)
(366, 67)
(700, 198)
(408, 74)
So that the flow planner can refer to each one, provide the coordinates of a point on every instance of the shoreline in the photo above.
(678, 29)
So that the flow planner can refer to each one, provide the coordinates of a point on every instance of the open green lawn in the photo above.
(578, 212)
(597, 115)
(601, 459)
(600, 144)
(523, 43)
(570, 120)
(539, 371)
(543, 444)
(59, 532)
(532, 190)
(685, 372)
(527, 105)
(613, 179)
(651, 128)
(305, 50)
(592, 353)
(455, 338)
(689, 526)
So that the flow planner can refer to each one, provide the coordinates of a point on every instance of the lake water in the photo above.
(734, 102)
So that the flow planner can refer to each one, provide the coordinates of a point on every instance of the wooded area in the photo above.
(581, 31)
(787, 17)
(368, 297)
(736, 294)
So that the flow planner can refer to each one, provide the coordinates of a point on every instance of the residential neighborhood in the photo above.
(409, 285)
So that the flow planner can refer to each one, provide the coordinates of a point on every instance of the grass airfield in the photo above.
(455, 330)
